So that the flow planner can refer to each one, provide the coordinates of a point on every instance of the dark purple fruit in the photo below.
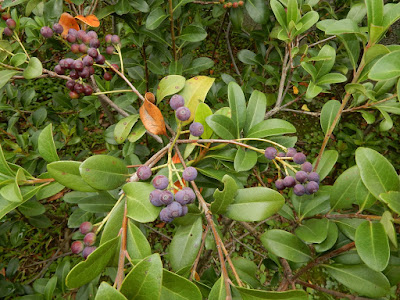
(189, 174)
(11, 23)
(80, 34)
(78, 65)
(73, 74)
(77, 247)
(184, 210)
(58, 28)
(92, 34)
(59, 70)
(313, 176)
(94, 43)
(307, 167)
(184, 197)
(183, 113)
(143, 172)
(154, 198)
(110, 50)
(160, 182)
(107, 76)
(84, 73)
(115, 39)
(78, 88)
(190, 193)
(46, 32)
(270, 153)
(83, 48)
(92, 52)
(299, 158)
(88, 61)
(71, 38)
(91, 70)
(279, 184)
(166, 197)
(301, 176)
(86, 39)
(289, 181)
(176, 101)
(165, 215)
(299, 190)
(175, 209)
(69, 63)
(8, 32)
(75, 48)
(85, 227)
(63, 63)
(312, 187)
(100, 59)
(89, 239)
(290, 152)
(87, 251)
(281, 154)
(87, 90)
(108, 38)
(70, 85)
(196, 129)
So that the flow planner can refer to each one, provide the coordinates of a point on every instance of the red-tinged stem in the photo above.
(121, 261)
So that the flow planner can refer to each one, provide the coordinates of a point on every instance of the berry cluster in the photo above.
(183, 113)
(85, 246)
(305, 181)
(233, 4)
(86, 44)
(176, 205)
(10, 23)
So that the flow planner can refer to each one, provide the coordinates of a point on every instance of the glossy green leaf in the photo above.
(137, 245)
(144, 280)
(114, 223)
(222, 126)
(257, 10)
(139, 207)
(343, 26)
(387, 67)
(107, 292)
(292, 12)
(67, 173)
(313, 231)
(50, 287)
(327, 162)
(46, 146)
(279, 12)
(246, 269)
(140, 5)
(175, 287)
(123, 128)
(392, 199)
(137, 132)
(199, 64)
(361, 279)
(218, 291)
(255, 110)
(331, 78)
(248, 294)
(202, 112)
(155, 18)
(104, 172)
(271, 127)
(170, 85)
(193, 34)
(285, 244)
(328, 114)
(313, 90)
(237, 103)
(32, 208)
(374, 12)
(325, 66)
(318, 205)
(343, 194)
(377, 173)
(387, 222)
(364, 198)
(244, 160)
(18, 59)
(34, 68)
(330, 240)
(87, 270)
(101, 202)
(307, 21)
(4, 167)
(255, 204)
(185, 245)
(349, 226)
(225, 197)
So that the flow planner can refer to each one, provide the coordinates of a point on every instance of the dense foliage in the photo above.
(167, 149)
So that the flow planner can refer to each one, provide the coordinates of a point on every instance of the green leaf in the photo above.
(374, 12)
(185, 245)
(144, 280)
(387, 222)
(101, 202)
(34, 68)
(222, 126)
(225, 197)
(11, 3)
(377, 173)
(87, 270)
(255, 110)
(248, 57)
(4, 167)
(310, 69)
(392, 199)
(140, 5)
(170, 85)
(103, 172)
(137, 132)
(193, 34)
(318, 205)
(279, 12)
(364, 198)
(308, 20)
(244, 160)
(67, 173)
(255, 204)
(327, 162)
(343, 26)
(349, 226)
(292, 11)
(285, 244)
(257, 10)
(137, 245)
(11, 192)
(50, 287)
(46, 146)
(155, 18)
(237, 103)
(270, 127)
(199, 64)
(139, 207)
(123, 128)
(331, 78)
(202, 112)
(361, 279)
(387, 67)
(248, 294)
(18, 59)
(352, 45)
(175, 287)
(325, 66)
(330, 240)
(107, 292)
(328, 114)
(313, 231)
(373, 245)
(32, 208)
(343, 194)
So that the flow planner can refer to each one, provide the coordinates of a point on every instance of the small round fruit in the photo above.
(70, 85)
(279, 184)
(289, 181)
(270, 153)
(189, 174)
(312, 187)
(75, 48)
(58, 28)
(91, 70)
(78, 65)
(71, 38)
(92, 34)
(77, 247)
(84, 73)
(80, 34)
(115, 39)
(73, 74)
(73, 32)
(73, 95)
(313, 176)
(196, 129)
(87, 90)
(8, 32)
(69, 63)
(83, 48)
(176, 101)
(11, 23)
(107, 76)
(115, 66)
(241, 3)
(299, 190)
(301, 176)
(175, 209)
(108, 38)
(94, 43)
(59, 70)
(87, 251)
(154, 198)
(190, 193)
(85, 227)
(299, 158)
(184, 196)
(281, 154)
(78, 88)
(89, 239)
(235, 5)
(184, 210)
(166, 197)
(88, 61)
(165, 215)
(307, 167)
(63, 63)
(86, 39)
(46, 32)
(183, 113)
(110, 50)
(291, 152)
(143, 172)
(5, 16)
(92, 52)
(160, 182)
(100, 59)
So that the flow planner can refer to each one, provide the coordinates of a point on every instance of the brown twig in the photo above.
(171, 20)
(122, 252)
(228, 44)
(219, 33)
(322, 41)
(196, 261)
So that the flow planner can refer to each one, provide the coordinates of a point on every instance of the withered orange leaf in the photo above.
(68, 22)
(179, 185)
(151, 116)
(90, 20)
(176, 159)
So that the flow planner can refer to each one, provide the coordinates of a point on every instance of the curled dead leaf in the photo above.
(68, 22)
(176, 159)
(151, 116)
(90, 20)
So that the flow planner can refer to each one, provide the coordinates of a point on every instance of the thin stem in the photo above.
(322, 41)
(171, 20)
(121, 261)
(8, 52)
(101, 224)
(220, 141)
(196, 261)
(228, 44)
(118, 48)
(22, 46)
(219, 33)
(285, 67)
(112, 92)
(262, 140)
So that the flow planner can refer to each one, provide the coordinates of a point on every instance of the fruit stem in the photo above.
(112, 92)
(170, 163)
(262, 140)
(8, 52)
(19, 41)
(120, 57)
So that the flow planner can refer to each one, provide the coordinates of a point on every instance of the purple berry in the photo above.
(70, 85)
(69, 63)
(166, 197)
(94, 43)
(312, 187)
(175, 209)
(84, 73)
(86, 39)
(59, 70)
(78, 65)
(313, 176)
(143, 172)
(270, 153)
(89, 239)
(165, 215)
(11, 23)
(115, 39)
(7, 31)
(87, 90)
(107, 76)
(299, 190)
(46, 32)
(80, 34)
(73, 95)
(92, 52)
(190, 192)
(154, 198)
(299, 158)
(83, 48)
(92, 34)
(281, 154)
(184, 210)
(189, 174)
(110, 50)
(176, 101)
(301, 176)
(75, 48)
(71, 38)
(290, 152)
(87, 251)
(196, 129)
(91, 70)
(279, 184)
(183, 113)
(78, 88)
(58, 28)
(184, 196)
(77, 247)
(87, 61)
(73, 32)
(100, 59)
(160, 182)
(85, 227)
(73, 74)
(289, 181)
(63, 63)
(307, 167)
(108, 38)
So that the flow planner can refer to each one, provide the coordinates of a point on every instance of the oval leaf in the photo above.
(328, 114)
(90, 20)
(175, 287)
(34, 68)
(152, 117)
(107, 292)
(313, 231)
(46, 146)
(271, 127)
(68, 22)
(170, 85)
(123, 128)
